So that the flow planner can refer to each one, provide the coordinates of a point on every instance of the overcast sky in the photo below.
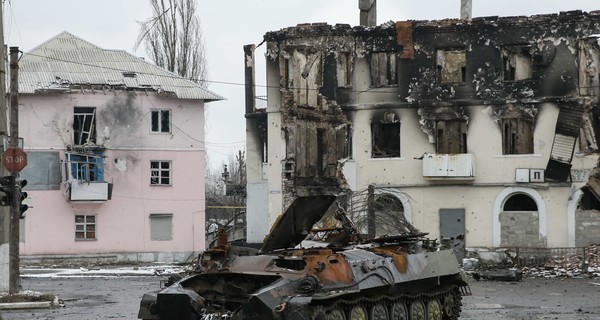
(228, 25)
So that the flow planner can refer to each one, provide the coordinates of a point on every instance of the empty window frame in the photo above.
(344, 69)
(384, 69)
(451, 66)
(161, 227)
(451, 136)
(385, 137)
(84, 167)
(85, 227)
(161, 121)
(84, 125)
(517, 136)
(516, 63)
(160, 173)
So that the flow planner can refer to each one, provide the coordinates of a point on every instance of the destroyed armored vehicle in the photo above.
(404, 276)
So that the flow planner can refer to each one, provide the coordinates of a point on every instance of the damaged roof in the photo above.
(67, 62)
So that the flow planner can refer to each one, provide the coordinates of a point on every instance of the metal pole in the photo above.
(14, 143)
(4, 211)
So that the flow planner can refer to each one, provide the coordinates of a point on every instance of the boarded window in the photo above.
(84, 126)
(517, 63)
(161, 227)
(451, 136)
(517, 136)
(85, 227)
(344, 142)
(42, 171)
(451, 66)
(160, 173)
(385, 137)
(161, 121)
(384, 69)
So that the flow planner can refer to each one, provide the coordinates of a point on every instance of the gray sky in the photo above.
(228, 25)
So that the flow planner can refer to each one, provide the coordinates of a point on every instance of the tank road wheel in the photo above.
(434, 310)
(358, 313)
(398, 311)
(448, 306)
(336, 314)
(417, 311)
(318, 314)
(379, 312)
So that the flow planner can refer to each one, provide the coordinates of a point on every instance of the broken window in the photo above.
(451, 136)
(517, 136)
(344, 69)
(84, 167)
(85, 227)
(160, 173)
(161, 121)
(451, 66)
(384, 69)
(84, 126)
(588, 201)
(344, 141)
(161, 227)
(517, 63)
(385, 137)
(590, 129)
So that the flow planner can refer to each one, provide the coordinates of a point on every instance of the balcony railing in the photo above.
(449, 166)
(88, 191)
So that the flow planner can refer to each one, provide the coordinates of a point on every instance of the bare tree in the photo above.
(173, 38)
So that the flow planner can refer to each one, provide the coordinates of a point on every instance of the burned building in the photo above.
(482, 131)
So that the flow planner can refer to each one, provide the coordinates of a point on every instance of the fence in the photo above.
(565, 258)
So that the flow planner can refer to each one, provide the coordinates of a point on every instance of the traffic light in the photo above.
(7, 185)
(22, 196)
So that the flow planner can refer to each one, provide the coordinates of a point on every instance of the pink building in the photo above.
(116, 155)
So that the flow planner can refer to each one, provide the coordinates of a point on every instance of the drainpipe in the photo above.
(466, 9)
(368, 12)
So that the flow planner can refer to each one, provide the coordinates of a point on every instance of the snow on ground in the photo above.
(107, 272)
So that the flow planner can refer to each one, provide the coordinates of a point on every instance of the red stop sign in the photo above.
(14, 159)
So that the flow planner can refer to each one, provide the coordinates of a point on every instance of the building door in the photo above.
(452, 230)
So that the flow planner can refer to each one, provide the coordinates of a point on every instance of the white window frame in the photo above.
(85, 225)
(159, 125)
(156, 173)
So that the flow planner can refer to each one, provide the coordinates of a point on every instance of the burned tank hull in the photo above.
(397, 277)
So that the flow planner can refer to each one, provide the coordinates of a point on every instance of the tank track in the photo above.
(422, 306)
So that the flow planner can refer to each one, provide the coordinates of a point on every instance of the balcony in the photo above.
(88, 191)
(449, 166)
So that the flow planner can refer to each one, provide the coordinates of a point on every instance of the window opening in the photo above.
(161, 121)
(84, 125)
(520, 202)
(385, 138)
(451, 66)
(84, 167)
(451, 136)
(344, 69)
(517, 62)
(85, 227)
(517, 136)
(160, 172)
(384, 69)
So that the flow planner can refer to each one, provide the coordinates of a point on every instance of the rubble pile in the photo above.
(585, 262)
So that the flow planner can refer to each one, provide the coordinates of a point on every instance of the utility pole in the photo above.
(15, 207)
(4, 211)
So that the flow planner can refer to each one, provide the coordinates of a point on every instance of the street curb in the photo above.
(31, 305)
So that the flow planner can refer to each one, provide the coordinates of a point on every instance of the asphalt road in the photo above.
(533, 298)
